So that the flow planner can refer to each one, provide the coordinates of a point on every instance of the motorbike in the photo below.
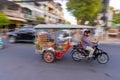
(1, 43)
(79, 53)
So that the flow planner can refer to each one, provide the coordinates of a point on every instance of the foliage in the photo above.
(40, 18)
(111, 8)
(113, 25)
(84, 9)
(3, 20)
(67, 22)
(116, 18)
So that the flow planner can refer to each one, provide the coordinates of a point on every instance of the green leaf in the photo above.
(116, 18)
(87, 9)
(4, 20)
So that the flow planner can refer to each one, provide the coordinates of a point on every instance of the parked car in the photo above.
(26, 34)
(113, 32)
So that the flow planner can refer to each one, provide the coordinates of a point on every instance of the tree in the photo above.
(3, 20)
(40, 18)
(84, 9)
(67, 22)
(116, 18)
(111, 8)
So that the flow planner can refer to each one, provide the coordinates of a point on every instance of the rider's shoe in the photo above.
(89, 59)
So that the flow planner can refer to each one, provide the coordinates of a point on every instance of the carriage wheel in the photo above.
(48, 56)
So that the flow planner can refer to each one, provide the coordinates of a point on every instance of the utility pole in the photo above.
(104, 16)
(104, 12)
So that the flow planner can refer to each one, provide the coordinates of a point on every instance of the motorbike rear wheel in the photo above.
(76, 56)
(103, 58)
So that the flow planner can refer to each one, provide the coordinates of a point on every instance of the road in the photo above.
(18, 62)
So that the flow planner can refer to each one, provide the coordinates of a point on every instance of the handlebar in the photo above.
(96, 43)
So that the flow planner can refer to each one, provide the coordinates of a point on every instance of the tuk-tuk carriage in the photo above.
(54, 40)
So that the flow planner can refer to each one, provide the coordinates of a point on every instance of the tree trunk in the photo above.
(78, 21)
(82, 21)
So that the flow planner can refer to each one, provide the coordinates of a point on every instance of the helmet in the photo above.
(86, 31)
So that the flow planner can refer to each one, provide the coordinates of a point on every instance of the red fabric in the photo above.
(58, 55)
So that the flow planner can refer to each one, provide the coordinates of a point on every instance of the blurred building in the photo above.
(53, 12)
(33, 12)
(13, 12)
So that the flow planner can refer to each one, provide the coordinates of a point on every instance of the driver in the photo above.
(86, 43)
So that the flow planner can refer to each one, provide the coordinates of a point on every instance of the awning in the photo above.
(17, 19)
(63, 26)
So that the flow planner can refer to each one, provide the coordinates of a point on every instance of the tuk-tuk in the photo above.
(54, 40)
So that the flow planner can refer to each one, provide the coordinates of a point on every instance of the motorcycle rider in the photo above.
(87, 43)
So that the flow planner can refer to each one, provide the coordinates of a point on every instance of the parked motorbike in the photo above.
(79, 53)
(1, 43)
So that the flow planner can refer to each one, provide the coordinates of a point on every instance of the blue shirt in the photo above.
(86, 42)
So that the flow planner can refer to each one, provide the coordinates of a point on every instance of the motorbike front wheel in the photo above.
(76, 56)
(103, 58)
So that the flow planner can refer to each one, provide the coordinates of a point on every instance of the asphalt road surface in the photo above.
(18, 62)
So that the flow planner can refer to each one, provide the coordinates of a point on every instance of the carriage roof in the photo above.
(62, 26)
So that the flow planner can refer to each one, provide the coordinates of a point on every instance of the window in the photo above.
(27, 11)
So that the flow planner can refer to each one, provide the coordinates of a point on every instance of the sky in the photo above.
(68, 16)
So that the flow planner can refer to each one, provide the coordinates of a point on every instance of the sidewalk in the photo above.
(111, 41)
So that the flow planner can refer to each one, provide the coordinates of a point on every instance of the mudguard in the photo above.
(48, 49)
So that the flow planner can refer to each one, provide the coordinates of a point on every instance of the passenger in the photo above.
(76, 37)
(51, 43)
